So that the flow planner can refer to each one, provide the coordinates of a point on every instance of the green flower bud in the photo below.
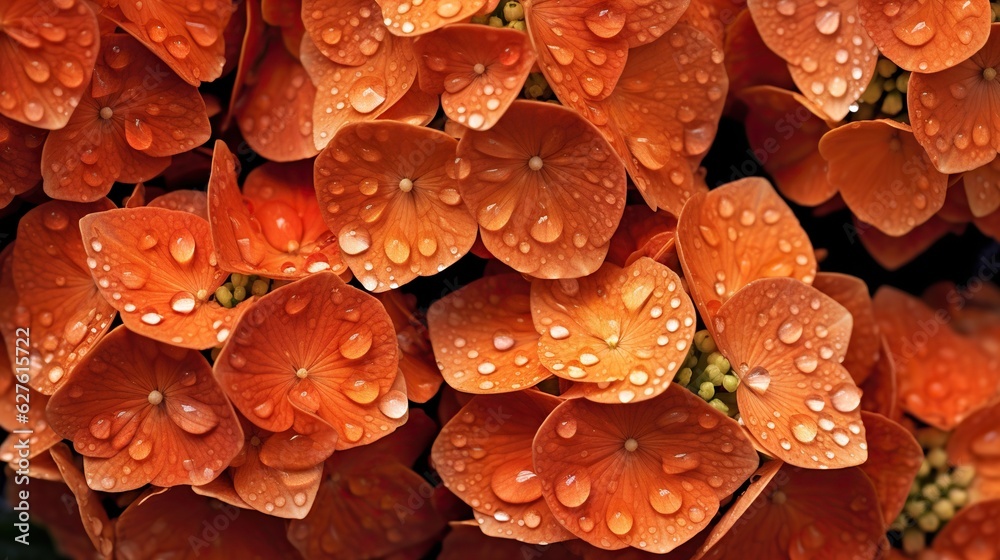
(915, 509)
(892, 105)
(925, 468)
(944, 509)
(913, 541)
(238, 279)
(519, 25)
(886, 68)
(931, 492)
(259, 287)
(903, 82)
(958, 497)
(684, 376)
(929, 522)
(229, 286)
(719, 405)
(495, 21)
(703, 341)
(722, 363)
(513, 11)
(943, 481)
(224, 296)
(873, 92)
(713, 374)
(962, 476)
(706, 390)
(938, 458)
(240, 293)
(730, 383)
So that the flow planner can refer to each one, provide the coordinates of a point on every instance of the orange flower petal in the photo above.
(644, 233)
(990, 225)
(852, 293)
(403, 446)
(896, 193)
(363, 92)
(659, 139)
(221, 488)
(759, 482)
(187, 37)
(275, 115)
(462, 543)
(975, 442)
(970, 534)
(982, 187)
(347, 32)
(545, 188)
(784, 130)
(794, 397)
(320, 346)
(483, 337)
(644, 22)
(950, 111)
(48, 51)
(67, 314)
(893, 252)
(387, 190)
(274, 228)
(416, 107)
(925, 350)
(416, 358)
(141, 412)
(829, 53)
(656, 503)
(250, 44)
(92, 513)
(184, 521)
(927, 37)
(123, 128)
(956, 208)
(736, 234)
(192, 202)
(782, 520)
(48, 500)
(879, 391)
(161, 270)
(749, 62)
(369, 513)
(483, 455)
(406, 19)
(20, 166)
(621, 334)
(894, 457)
(477, 70)
(12, 314)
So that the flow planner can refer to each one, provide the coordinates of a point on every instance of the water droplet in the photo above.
(846, 397)
(182, 246)
(573, 489)
(804, 428)
(758, 379)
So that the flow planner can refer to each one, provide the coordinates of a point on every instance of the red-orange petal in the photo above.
(926, 351)
(275, 114)
(48, 52)
(879, 391)
(950, 110)
(92, 513)
(620, 333)
(388, 191)
(68, 315)
(274, 228)
(975, 442)
(416, 107)
(644, 233)
(192, 202)
(186, 523)
(141, 412)
(894, 252)
(970, 534)
(927, 37)
(896, 193)
(363, 92)
(483, 455)
(894, 457)
(784, 130)
(188, 37)
(463, 542)
(749, 62)
(161, 272)
(982, 188)
(782, 520)
(477, 70)
(546, 189)
(657, 498)
(20, 166)
(244, 55)
(348, 32)
(794, 397)
(405, 19)
(829, 53)
(738, 233)
(320, 346)
(852, 293)
(483, 337)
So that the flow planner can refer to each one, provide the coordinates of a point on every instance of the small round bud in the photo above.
(928, 522)
(229, 286)
(495, 21)
(240, 293)
(713, 374)
(944, 509)
(892, 105)
(519, 25)
(719, 405)
(873, 92)
(730, 383)
(903, 82)
(259, 287)
(943, 481)
(913, 541)
(915, 509)
(703, 341)
(706, 390)
(962, 476)
(938, 458)
(513, 11)
(931, 492)
(684, 376)
(238, 279)
(224, 296)
(885, 68)
(958, 497)
(925, 468)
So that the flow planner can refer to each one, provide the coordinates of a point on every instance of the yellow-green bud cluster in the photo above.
(938, 492)
(885, 96)
(507, 14)
(239, 287)
(708, 374)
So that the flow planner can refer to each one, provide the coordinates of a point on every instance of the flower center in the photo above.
(155, 397)
(302, 373)
(255, 441)
(708, 374)
(479, 68)
(405, 184)
(779, 497)
(989, 74)
(631, 445)
(535, 163)
(106, 113)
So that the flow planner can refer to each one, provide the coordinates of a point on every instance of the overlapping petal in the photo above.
(864, 348)
(894, 457)
(63, 306)
(141, 412)
(976, 442)
(786, 340)
(971, 534)
(95, 519)
(894, 252)
(483, 337)
(645, 233)
(620, 333)
(388, 191)
(982, 188)
(158, 268)
(404, 18)
(546, 189)
(319, 346)
(20, 158)
(648, 475)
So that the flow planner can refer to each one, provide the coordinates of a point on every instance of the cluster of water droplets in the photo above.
(344, 36)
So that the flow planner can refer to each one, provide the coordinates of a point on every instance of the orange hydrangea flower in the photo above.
(274, 228)
(388, 191)
(158, 268)
(347, 33)
(619, 334)
(188, 37)
(59, 299)
(135, 115)
(49, 48)
(141, 412)
(546, 189)
(477, 71)
(321, 347)
(648, 475)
